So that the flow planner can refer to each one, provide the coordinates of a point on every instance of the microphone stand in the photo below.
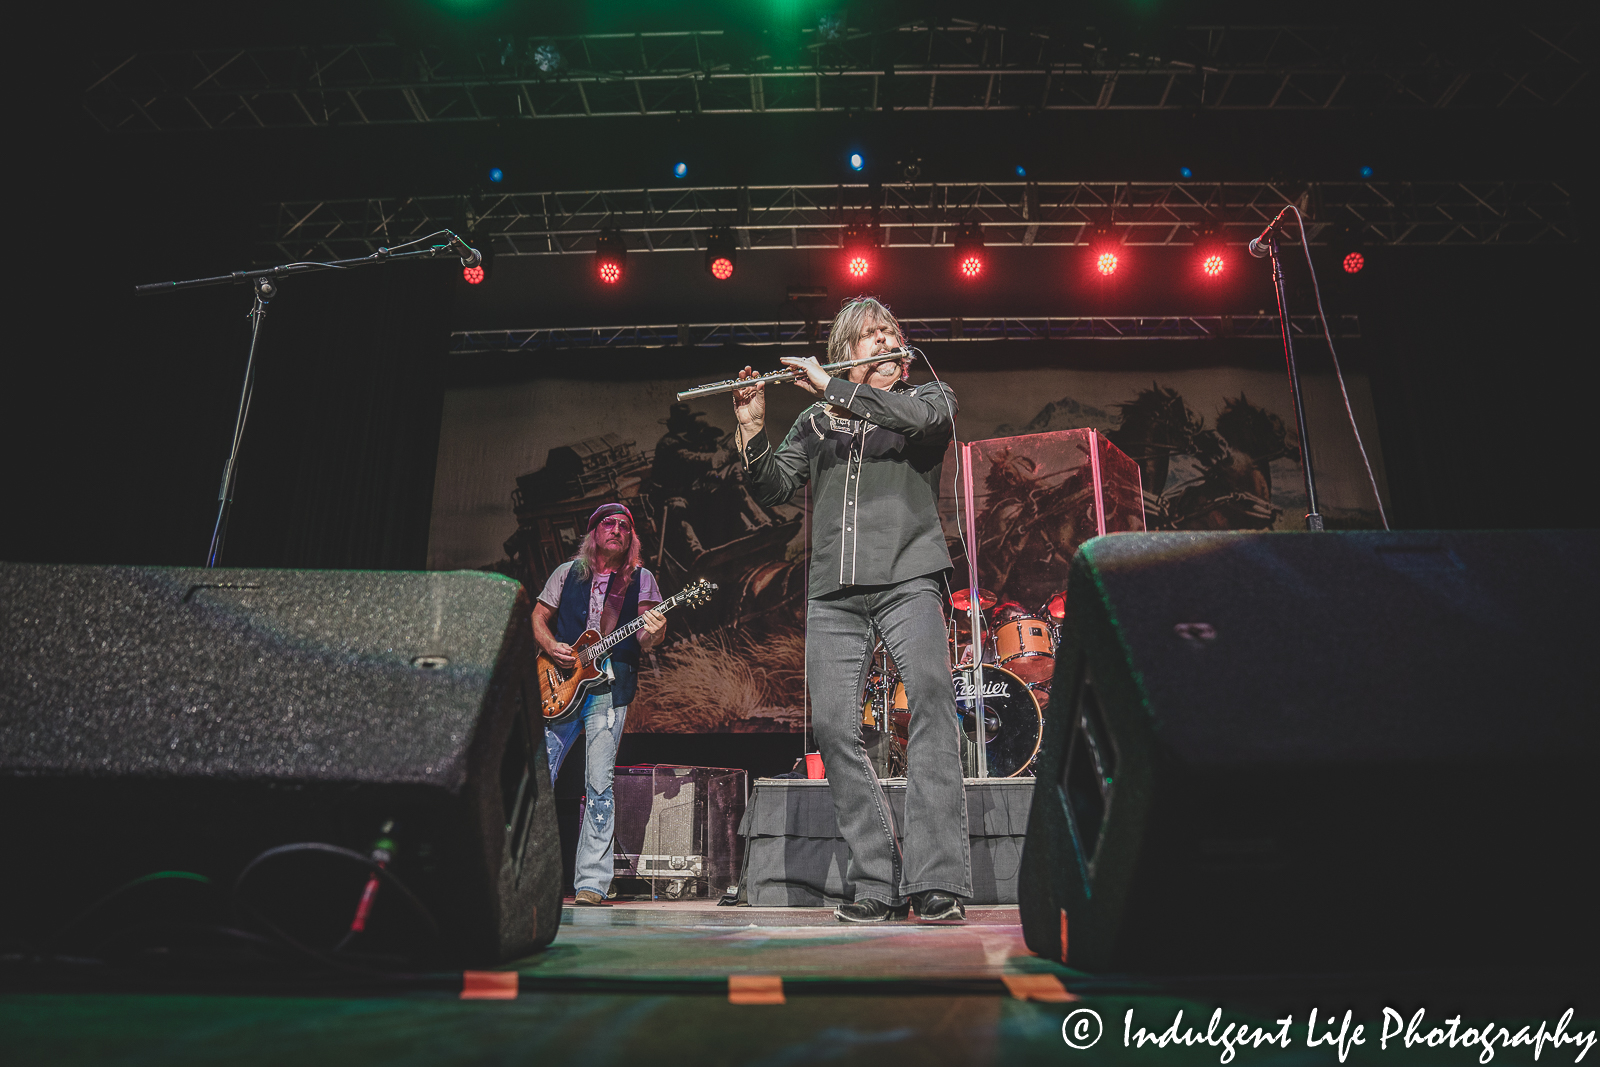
(265, 287)
(1313, 517)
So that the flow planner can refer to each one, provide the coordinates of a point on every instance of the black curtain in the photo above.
(337, 465)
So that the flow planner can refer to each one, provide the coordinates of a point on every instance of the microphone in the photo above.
(1258, 246)
(470, 257)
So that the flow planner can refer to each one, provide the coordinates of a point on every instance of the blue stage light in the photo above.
(856, 161)
(680, 170)
(1022, 172)
(1366, 172)
(495, 174)
(1185, 172)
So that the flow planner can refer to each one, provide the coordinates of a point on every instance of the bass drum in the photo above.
(1011, 708)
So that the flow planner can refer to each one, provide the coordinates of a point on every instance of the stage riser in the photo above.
(796, 857)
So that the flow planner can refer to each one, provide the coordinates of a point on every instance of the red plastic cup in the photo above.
(814, 767)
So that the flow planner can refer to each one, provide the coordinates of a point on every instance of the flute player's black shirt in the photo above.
(875, 512)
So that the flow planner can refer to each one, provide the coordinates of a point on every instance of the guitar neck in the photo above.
(622, 633)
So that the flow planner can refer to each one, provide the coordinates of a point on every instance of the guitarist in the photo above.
(600, 588)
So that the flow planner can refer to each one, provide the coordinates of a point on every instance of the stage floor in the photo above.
(698, 940)
(647, 982)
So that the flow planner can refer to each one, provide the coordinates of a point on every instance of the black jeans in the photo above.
(910, 618)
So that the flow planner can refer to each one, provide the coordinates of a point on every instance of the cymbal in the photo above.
(1057, 607)
(961, 600)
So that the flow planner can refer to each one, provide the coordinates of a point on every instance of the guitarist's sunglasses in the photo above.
(616, 522)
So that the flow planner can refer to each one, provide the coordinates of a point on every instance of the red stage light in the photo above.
(610, 257)
(722, 268)
(1213, 265)
(1354, 262)
(858, 267)
(473, 275)
(1105, 263)
(968, 239)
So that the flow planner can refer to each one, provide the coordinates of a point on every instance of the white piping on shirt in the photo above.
(844, 511)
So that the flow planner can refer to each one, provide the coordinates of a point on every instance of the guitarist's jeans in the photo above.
(910, 618)
(603, 726)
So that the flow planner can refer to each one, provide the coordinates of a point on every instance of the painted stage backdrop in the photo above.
(522, 465)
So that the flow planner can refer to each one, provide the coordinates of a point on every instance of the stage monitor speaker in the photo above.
(1321, 751)
(157, 719)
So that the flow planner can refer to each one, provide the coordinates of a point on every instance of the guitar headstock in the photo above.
(698, 592)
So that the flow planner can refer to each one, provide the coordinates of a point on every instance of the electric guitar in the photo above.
(562, 689)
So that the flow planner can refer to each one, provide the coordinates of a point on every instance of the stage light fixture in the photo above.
(969, 250)
(1105, 248)
(860, 250)
(1022, 172)
(1366, 172)
(548, 58)
(680, 170)
(1211, 253)
(722, 254)
(610, 257)
(1344, 242)
(496, 174)
(1185, 172)
(473, 275)
(857, 161)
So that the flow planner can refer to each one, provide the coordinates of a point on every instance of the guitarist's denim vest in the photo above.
(572, 618)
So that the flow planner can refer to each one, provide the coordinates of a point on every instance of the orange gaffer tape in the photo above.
(1044, 987)
(489, 985)
(755, 989)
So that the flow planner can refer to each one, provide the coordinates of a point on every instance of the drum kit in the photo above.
(1017, 648)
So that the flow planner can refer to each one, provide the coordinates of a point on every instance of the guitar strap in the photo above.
(616, 592)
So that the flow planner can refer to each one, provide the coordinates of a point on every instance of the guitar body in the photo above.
(563, 689)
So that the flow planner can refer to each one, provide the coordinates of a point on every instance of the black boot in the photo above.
(870, 911)
(937, 906)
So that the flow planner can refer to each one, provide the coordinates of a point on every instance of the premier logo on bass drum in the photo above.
(990, 689)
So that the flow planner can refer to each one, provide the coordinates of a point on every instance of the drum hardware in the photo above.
(991, 724)
(1055, 609)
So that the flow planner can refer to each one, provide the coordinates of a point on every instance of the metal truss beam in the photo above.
(922, 214)
(957, 66)
(1055, 328)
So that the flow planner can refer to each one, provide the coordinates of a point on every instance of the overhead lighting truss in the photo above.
(921, 214)
(958, 66)
(917, 331)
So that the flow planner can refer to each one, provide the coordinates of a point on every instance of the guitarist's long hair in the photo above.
(587, 558)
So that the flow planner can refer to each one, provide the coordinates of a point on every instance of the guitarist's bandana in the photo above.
(608, 509)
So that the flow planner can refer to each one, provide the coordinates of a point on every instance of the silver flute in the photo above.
(891, 355)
